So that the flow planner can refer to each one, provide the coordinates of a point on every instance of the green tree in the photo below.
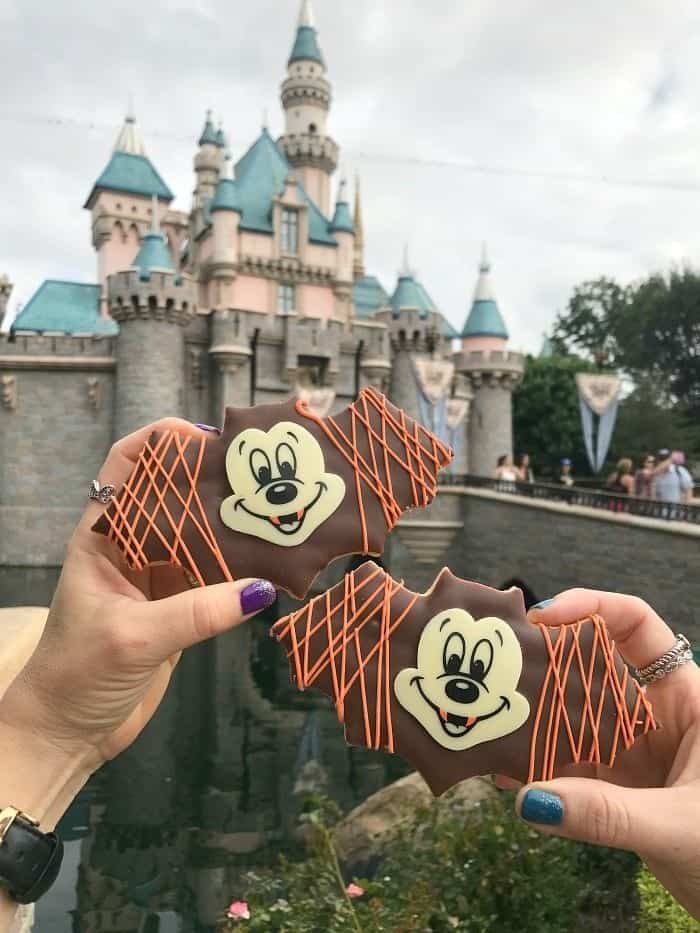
(649, 330)
(546, 417)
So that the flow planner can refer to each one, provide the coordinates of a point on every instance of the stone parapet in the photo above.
(299, 90)
(310, 149)
(288, 268)
(491, 366)
(164, 296)
(29, 350)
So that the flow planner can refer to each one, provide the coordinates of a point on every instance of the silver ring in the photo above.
(680, 654)
(101, 493)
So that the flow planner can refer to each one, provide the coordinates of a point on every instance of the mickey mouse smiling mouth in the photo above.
(279, 493)
(281, 489)
(456, 726)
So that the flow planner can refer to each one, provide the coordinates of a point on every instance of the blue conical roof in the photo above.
(226, 195)
(342, 218)
(208, 133)
(153, 256)
(306, 47)
(484, 318)
(410, 294)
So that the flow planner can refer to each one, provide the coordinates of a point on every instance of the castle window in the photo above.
(286, 298)
(289, 235)
(312, 127)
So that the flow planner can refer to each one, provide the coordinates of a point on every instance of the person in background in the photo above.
(525, 470)
(505, 470)
(621, 480)
(678, 459)
(670, 484)
(644, 478)
(565, 477)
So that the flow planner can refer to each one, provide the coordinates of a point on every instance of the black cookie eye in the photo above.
(286, 461)
(260, 466)
(481, 660)
(453, 653)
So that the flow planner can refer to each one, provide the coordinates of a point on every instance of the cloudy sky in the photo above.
(566, 135)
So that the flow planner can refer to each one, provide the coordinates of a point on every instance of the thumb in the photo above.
(643, 820)
(183, 620)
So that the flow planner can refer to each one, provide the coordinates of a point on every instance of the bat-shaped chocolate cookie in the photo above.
(458, 682)
(278, 495)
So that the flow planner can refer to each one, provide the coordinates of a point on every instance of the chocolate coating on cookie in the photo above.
(278, 495)
(458, 682)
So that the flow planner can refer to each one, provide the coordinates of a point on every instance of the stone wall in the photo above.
(54, 435)
(551, 546)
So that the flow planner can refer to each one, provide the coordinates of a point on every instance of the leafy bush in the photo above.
(659, 911)
(468, 870)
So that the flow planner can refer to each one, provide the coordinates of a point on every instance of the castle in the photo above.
(258, 292)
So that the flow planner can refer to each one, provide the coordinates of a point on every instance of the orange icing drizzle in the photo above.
(151, 477)
(565, 656)
(370, 601)
(360, 605)
(421, 455)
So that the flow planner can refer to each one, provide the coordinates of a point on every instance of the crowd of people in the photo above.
(663, 476)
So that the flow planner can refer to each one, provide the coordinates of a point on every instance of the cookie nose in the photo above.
(281, 493)
(462, 691)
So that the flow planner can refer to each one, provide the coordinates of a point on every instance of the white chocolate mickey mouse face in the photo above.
(281, 492)
(464, 688)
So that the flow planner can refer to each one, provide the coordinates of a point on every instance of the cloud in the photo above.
(466, 121)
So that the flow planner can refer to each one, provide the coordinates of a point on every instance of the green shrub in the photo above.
(659, 912)
(468, 870)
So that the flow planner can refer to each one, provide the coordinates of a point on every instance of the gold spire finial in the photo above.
(358, 270)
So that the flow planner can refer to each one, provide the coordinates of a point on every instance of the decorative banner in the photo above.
(434, 378)
(320, 400)
(598, 395)
(598, 391)
(457, 409)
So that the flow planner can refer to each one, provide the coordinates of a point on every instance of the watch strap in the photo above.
(29, 859)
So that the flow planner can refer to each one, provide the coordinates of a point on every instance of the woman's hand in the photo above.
(650, 801)
(112, 637)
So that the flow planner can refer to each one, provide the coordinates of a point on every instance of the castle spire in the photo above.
(306, 14)
(208, 136)
(484, 318)
(358, 269)
(129, 139)
(306, 100)
(342, 221)
(406, 272)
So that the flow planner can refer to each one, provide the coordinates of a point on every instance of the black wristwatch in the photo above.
(29, 859)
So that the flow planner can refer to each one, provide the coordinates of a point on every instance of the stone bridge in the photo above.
(545, 546)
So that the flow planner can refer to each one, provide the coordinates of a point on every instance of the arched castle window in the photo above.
(402, 338)
(236, 323)
(185, 306)
(416, 338)
(135, 302)
(312, 128)
(152, 302)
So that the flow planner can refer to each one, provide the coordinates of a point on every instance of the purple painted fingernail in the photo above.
(257, 595)
(208, 427)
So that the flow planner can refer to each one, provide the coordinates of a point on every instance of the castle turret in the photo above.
(306, 99)
(152, 303)
(343, 230)
(120, 202)
(492, 372)
(207, 164)
(5, 292)
(225, 213)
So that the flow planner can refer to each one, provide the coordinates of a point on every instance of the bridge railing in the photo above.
(577, 495)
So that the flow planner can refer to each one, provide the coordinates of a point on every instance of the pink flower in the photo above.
(238, 911)
(354, 890)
